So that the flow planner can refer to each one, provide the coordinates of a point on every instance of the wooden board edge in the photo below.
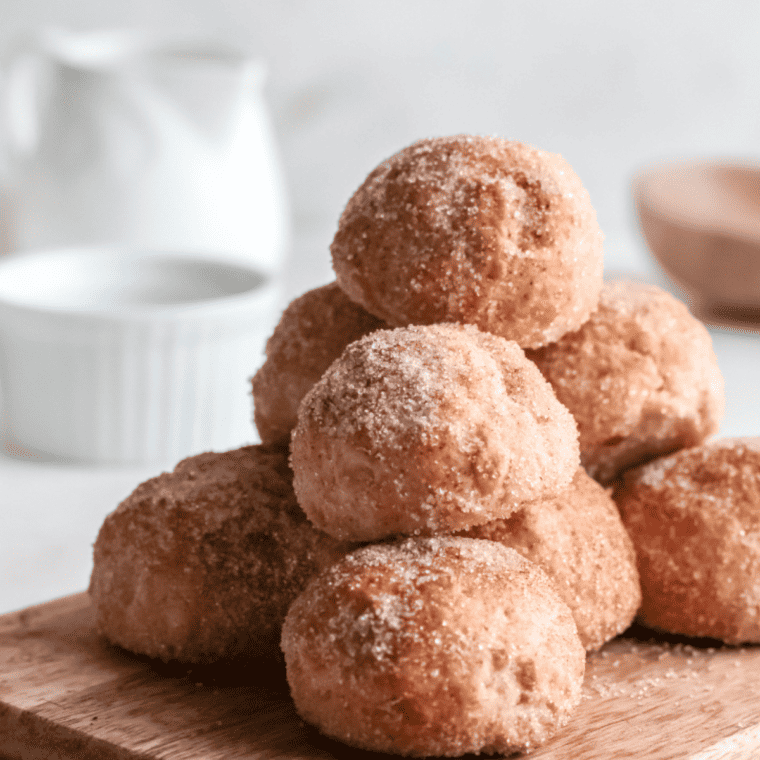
(27, 736)
(44, 612)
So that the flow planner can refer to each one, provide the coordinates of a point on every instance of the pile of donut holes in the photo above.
(479, 461)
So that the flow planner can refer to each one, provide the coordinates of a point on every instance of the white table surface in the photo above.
(50, 512)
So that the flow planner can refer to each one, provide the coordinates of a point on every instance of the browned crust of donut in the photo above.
(640, 377)
(694, 518)
(312, 332)
(428, 429)
(473, 229)
(202, 563)
(579, 540)
(438, 646)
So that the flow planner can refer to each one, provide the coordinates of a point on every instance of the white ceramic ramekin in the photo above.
(110, 355)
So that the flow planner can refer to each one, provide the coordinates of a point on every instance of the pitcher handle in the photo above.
(20, 98)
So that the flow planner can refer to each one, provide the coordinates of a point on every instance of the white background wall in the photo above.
(611, 86)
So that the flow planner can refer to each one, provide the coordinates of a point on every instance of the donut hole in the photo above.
(432, 666)
(475, 230)
(694, 518)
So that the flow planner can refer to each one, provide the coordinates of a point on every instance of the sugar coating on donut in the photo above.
(694, 518)
(579, 540)
(202, 563)
(428, 429)
(473, 229)
(640, 378)
(438, 646)
(312, 332)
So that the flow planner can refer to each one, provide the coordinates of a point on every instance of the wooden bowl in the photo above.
(701, 221)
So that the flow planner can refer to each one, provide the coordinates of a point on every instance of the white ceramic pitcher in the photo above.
(121, 138)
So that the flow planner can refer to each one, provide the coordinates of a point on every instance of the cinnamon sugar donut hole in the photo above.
(579, 541)
(428, 429)
(202, 563)
(439, 646)
(640, 378)
(312, 332)
(477, 230)
(694, 518)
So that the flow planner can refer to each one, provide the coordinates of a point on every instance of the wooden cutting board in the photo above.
(66, 694)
